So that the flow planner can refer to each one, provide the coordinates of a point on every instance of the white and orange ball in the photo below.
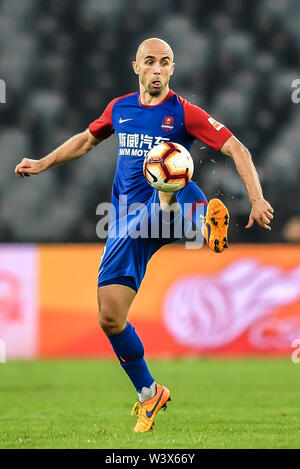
(168, 167)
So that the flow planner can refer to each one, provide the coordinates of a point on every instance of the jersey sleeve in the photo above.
(201, 125)
(102, 127)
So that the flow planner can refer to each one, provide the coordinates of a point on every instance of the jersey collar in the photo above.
(158, 104)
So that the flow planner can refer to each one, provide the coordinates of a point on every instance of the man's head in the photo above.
(154, 65)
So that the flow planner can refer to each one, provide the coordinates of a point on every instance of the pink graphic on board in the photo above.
(19, 300)
(10, 299)
(211, 311)
(275, 333)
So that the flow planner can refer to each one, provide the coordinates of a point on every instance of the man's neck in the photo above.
(148, 100)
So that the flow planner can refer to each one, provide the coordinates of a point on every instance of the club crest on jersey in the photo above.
(168, 124)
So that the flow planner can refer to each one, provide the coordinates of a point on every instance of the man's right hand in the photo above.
(28, 167)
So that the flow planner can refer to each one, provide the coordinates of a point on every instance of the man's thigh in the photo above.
(115, 299)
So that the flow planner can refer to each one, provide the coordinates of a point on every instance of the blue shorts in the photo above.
(125, 258)
(127, 281)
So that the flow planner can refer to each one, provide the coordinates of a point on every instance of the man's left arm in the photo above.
(201, 125)
(261, 211)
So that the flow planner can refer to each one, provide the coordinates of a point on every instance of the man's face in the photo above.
(154, 65)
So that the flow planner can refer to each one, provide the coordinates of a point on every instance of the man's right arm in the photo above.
(72, 149)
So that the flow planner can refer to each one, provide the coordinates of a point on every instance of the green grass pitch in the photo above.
(87, 404)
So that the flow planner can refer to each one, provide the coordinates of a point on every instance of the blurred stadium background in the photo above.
(62, 62)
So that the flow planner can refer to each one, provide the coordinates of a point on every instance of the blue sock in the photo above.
(192, 195)
(130, 351)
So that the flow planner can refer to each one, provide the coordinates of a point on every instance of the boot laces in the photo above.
(137, 409)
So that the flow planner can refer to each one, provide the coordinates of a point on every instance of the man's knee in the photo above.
(109, 321)
(114, 302)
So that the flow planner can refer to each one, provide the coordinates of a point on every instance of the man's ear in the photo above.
(135, 67)
(173, 67)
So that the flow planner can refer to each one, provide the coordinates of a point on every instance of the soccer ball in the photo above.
(168, 167)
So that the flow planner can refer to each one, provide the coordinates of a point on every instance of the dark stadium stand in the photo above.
(63, 61)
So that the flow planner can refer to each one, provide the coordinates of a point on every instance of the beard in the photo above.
(155, 92)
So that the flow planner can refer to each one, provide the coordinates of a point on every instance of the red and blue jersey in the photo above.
(141, 127)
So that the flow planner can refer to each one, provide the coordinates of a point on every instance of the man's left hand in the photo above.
(262, 213)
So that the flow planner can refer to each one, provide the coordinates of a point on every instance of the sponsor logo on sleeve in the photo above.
(216, 125)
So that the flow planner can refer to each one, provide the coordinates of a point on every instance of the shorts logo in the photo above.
(168, 124)
(215, 123)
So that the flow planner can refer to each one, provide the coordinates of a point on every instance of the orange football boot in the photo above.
(216, 224)
(147, 411)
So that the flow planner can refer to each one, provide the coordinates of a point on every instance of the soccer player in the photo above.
(141, 120)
